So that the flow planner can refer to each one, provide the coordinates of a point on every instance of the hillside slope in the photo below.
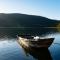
(22, 20)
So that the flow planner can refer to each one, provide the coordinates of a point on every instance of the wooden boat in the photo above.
(35, 43)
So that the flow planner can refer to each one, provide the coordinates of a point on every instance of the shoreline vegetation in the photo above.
(29, 27)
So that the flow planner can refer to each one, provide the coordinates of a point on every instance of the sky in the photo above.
(46, 8)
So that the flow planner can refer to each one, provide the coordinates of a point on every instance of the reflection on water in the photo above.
(11, 50)
(12, 32)
(39, 54)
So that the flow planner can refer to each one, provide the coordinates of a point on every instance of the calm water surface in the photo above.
(10, 49)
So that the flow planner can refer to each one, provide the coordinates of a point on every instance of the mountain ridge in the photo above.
(24, 20)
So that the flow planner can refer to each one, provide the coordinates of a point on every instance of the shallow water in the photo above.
(10, 49)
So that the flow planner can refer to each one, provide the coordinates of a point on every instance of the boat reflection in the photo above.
(39, 54)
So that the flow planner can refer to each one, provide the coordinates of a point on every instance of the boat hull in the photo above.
(41, 43)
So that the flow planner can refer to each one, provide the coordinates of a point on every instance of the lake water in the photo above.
(10, 49)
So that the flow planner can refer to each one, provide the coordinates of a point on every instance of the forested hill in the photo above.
(23, 20)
